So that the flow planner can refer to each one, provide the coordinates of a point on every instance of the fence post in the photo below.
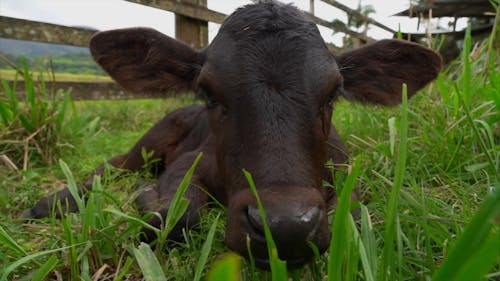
(189, 30)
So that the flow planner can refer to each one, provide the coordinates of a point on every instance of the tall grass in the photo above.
(428, 172)
(342, 247)
(38, 123)
(278, 267)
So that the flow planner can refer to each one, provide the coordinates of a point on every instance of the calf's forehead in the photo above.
(273, 61)
(284, 45)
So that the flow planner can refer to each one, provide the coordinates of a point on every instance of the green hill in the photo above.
(42, 56)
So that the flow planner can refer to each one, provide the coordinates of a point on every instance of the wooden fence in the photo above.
(191, 21)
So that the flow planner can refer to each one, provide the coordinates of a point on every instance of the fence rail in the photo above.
(358, 15)
(93, 91)
(192, 17)
(189, 10)
(43, 32)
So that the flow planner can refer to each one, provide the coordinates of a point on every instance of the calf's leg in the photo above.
(161, 139)
(157, 198)
(43, 208)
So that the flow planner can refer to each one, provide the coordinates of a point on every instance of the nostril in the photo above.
(292, 221)
(255, 220)
(293, 228)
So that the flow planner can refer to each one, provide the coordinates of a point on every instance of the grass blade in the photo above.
(6, 112)
(46, 268)
(12, 97)
(149, 264)
(473, 246)
(205, 250)
(475, 128)
(226, 269)
(467, 67)
(29, 258)
(392, 133)
(179, 204)
(126, 267)
(392, 207)
(10, 243)
(73, 189)
(483, 261)
(130, 218)
(62, 109)
(339, 244)
(70, 239)
(30, 95)
(278, 267)
(367, 246)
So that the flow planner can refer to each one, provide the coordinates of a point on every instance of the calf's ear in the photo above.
(145, 60)
(375, 73)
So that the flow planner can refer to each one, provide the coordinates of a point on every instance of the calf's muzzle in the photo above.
(296, 217)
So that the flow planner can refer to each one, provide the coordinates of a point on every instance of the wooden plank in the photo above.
(450, 8)
(192, 31)
(50, 33)
(188, 10)
(94, 91)
(358, 14)
(43, 32)
(205, 14)
(334, 49)
(478, 30)
(340, 28)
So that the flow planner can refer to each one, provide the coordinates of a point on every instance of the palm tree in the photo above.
(356, 22)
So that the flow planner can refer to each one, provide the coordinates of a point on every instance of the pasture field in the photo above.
(428, 171)
(10, 74)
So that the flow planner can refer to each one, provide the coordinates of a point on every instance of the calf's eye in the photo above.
(209, 99)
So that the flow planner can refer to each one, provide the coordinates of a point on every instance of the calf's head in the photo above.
(268, 81)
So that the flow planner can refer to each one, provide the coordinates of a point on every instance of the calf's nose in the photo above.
(292, 229)
(288, 227)
(296, 217)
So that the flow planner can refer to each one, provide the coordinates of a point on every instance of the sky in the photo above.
(111, 14)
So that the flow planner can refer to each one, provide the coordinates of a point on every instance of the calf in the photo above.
(268, 82)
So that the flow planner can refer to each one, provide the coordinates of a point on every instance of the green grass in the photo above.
(277, 266)
(428, 172)
(10, 74)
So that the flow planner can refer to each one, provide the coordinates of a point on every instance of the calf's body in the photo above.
(268, 81)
